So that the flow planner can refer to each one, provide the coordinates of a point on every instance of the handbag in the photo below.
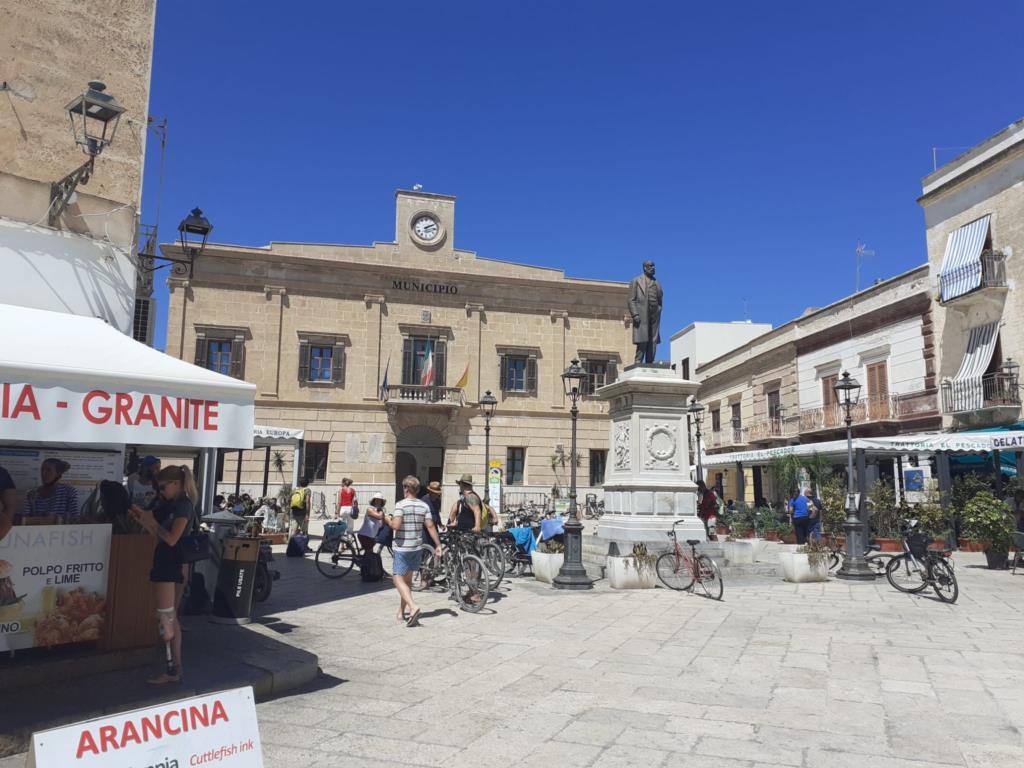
(192, 548)
(385, 535)
(355, 510)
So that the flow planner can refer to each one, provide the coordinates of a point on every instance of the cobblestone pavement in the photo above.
(817, 675)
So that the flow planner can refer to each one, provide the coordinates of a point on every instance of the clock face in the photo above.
(426, 228)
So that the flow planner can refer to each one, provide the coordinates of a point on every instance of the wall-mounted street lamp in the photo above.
(193, 231)
(94, 118)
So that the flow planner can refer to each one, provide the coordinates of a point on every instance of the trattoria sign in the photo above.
(218, 729)
(58, 414)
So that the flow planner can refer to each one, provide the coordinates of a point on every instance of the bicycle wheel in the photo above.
(944, 581)
(710, 577)
(906, 575)
(493, 558)
(472, 584)
(426, 576)
(335, 561)
(674, 571)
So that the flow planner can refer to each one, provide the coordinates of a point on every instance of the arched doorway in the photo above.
(420, 452)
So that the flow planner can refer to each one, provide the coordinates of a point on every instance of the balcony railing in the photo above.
(993, 390)
(993, 274)
(870, 409)
(772, 429)
(417, 394)
(726, 438)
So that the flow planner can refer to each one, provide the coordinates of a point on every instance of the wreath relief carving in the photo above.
(660, 441)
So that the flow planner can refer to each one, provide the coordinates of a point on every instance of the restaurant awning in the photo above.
(954, 442)
(71, 379)
(967, 389)
(961, 263)
(264, 436)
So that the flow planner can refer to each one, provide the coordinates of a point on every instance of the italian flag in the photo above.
(427, 374)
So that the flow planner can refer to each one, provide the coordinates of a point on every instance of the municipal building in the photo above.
(380, 355)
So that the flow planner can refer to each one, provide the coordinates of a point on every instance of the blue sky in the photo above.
(746, 147)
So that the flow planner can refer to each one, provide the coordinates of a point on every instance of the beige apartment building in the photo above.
(381, 353)
(777, 389)
(974, 215)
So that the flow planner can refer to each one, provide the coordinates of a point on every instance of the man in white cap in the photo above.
(466, 512)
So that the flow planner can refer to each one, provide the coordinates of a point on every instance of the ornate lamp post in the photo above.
(572, 574)
(696, 411)
(854, 566)
(192, 233)
(488, 404)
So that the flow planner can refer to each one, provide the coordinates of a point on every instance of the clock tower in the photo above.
(425, 222)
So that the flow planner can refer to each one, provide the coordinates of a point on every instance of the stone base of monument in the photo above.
(647, 483)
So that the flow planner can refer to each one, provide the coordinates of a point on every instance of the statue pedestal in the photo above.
(647, 480)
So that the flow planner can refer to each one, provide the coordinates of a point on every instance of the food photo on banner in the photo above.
(214, 729)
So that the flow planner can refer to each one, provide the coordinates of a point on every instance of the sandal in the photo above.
(414, 619)
(164, 679)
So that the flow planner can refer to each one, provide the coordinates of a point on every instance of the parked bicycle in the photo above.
(921, 566)
(680, 570)
(463, 573)
(593, 509)
(873, 556)
(337, 553)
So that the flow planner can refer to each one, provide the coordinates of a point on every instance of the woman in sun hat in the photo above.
(372, 521)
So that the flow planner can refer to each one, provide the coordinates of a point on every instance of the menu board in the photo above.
(53, 584)
(87, 468)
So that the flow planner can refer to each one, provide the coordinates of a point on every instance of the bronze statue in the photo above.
(645, 298)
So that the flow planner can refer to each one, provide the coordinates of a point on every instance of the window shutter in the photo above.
(238, 357)
(407, 362)
(612, 374)
(531, 375)
(504, 372)
(200, 350)
(303, 360)
(338, 365)
(440, 362)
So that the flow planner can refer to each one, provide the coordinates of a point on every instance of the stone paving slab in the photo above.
(830, 675)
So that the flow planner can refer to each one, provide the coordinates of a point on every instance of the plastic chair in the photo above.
(1018, 556)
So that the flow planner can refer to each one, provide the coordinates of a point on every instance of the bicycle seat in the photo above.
(874, 547)
(693, 542)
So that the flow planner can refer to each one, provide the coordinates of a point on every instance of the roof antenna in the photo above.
(862, 251)
(417, 187)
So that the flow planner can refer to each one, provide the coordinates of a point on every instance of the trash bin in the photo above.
(232, 600)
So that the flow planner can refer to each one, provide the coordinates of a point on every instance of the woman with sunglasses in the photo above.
(168, 520)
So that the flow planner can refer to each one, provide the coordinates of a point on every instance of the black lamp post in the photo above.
(488, 404)
(854, 566)
(193, 231)
(94, 117)
(696, 411)
(572, 574)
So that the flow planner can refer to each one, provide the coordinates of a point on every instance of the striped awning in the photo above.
(961, 264)
(967, 388)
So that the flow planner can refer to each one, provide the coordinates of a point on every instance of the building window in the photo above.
(828, 390)
(686, 367)
(737, 421)
(222, 354)
(774, 404)
(716, 420)
(424, 361)
(598, 460)
(599, 373)
(878, 390)
(515, 465)
(519, 373)
(321, 360)
(314, 468)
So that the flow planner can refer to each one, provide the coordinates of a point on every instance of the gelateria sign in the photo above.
(420, 286)
(218, 729)
(55, 413)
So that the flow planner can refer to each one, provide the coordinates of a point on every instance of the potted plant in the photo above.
(546, 560)
(634, 571)
(986, 519)
(885, 516)
(807, 563)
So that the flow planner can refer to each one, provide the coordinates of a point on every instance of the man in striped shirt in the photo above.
(410, 517)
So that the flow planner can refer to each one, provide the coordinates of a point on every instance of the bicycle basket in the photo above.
(334, 530)
(918, 544)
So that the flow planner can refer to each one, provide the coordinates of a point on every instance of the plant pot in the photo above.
(622, 573)
(796, 568)
(997, 558)
(546, 566)
(971, 545)
(723, 530)
(789, 538)
(748, 533)
(771, 535)
(889, 545)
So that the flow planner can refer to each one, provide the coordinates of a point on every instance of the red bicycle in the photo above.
(680, 570)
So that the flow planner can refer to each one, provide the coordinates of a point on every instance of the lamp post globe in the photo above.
(94, 118)
(573, 575)
(855, 567)
(488, 404)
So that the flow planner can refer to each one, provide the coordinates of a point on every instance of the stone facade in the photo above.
(987, 180)
(378, 309)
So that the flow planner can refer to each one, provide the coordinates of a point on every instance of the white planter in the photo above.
(546, 566)
(622, 573)
(760, 545)
(797, 568)
(739, 552)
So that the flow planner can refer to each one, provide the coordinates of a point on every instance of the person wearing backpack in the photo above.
(466, 513)
(300, 502)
